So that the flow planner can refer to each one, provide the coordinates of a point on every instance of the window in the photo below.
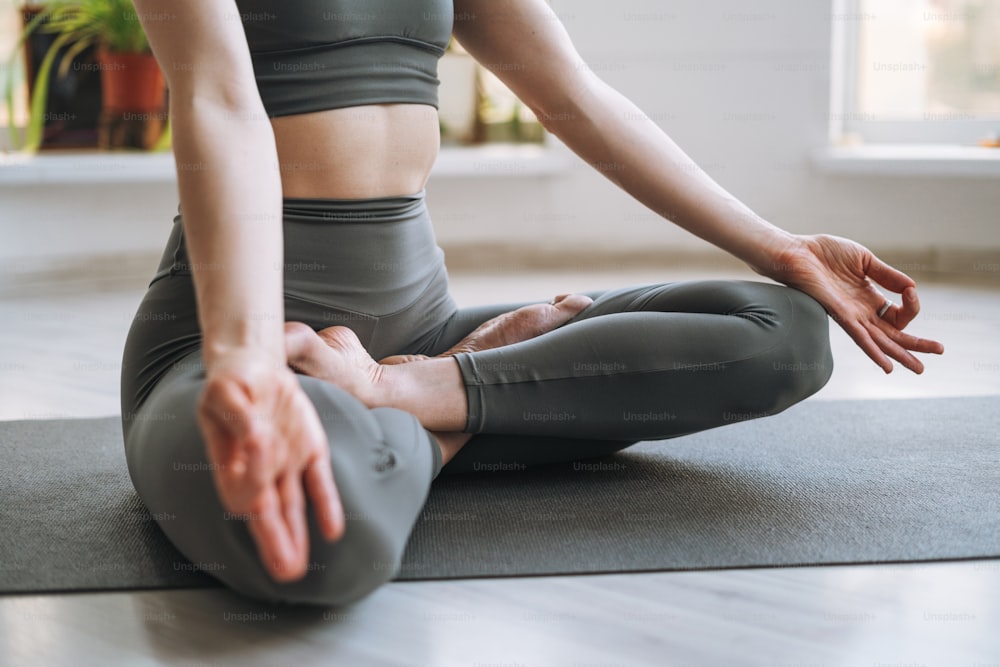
(916, 71)
(477, 107)
(10, 28)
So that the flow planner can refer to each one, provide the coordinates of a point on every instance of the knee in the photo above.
(380, 501)
(367, 555)
(338, 573)
(382, 464)
(803, 362)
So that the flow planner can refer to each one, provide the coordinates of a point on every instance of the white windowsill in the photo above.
(92, 167)
(909, 160)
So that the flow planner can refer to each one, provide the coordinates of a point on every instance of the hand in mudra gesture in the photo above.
(842, 275)
(269, 452)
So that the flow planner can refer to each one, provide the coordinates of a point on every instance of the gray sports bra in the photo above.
(311, 55)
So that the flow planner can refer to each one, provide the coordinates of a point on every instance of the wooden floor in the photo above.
(60, 357)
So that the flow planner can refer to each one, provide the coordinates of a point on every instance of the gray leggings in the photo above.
(640, 363)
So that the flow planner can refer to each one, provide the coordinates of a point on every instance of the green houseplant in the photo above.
(132, 86)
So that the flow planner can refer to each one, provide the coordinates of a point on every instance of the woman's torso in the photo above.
(358, 152)
(373, 60)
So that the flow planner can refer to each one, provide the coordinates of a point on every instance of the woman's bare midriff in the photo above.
(368, 151)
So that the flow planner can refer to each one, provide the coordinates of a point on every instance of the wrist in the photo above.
(783, 256)
(217, 353)
(245, 334)
(766, 248)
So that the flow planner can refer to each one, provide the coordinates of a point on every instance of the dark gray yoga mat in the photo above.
(822, 483)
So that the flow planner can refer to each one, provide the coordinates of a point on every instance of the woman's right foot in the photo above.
(516, 326)
(432, 391)
(336, 355)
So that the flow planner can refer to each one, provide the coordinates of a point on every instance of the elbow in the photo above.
(216, 122)
(207, 98)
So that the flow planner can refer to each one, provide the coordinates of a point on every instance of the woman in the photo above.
(304, 132)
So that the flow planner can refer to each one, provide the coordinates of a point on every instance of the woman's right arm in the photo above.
(260, 429)
(230, 189)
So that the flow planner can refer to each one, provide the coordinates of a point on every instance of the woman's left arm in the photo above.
(525, 44)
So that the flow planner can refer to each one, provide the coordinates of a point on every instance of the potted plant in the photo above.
(133, 90)
(73, 100)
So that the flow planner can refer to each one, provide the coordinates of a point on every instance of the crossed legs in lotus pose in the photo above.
(336, 355)
(702, 350)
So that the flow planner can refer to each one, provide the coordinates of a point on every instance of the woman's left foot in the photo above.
(519, 325)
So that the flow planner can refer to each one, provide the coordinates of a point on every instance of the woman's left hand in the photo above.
(839, 273)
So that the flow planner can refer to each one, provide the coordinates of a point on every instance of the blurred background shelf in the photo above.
(84, 167)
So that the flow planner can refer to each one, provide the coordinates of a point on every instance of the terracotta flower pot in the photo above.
(133, 91)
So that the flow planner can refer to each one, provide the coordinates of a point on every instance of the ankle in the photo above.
(450, 443)
(430, 390)
(385, 389)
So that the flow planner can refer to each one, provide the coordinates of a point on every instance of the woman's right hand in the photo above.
(841, 275)
(269, 451)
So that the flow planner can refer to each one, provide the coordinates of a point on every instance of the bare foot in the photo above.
(432, 391)
(336, 355)
(518, 325)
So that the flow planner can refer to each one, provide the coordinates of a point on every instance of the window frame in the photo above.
(847, 121)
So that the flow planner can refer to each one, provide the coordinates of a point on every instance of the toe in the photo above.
(340, 337)
(402, 359)
(570, 305)
(298, 338)
(542, 318)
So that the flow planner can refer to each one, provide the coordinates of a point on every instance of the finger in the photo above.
(232, 492)
(220, 446)
(269, 531)
(322, 491)
(896, 351)
(233, 445)
(240, 489)
(901, 315)
(317, 475)
(887, 276)
(220, 405)
(232, 411)
(860, 335)
(914, 343)
(293, 508)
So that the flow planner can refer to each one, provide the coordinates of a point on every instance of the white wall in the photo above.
(743, 87)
